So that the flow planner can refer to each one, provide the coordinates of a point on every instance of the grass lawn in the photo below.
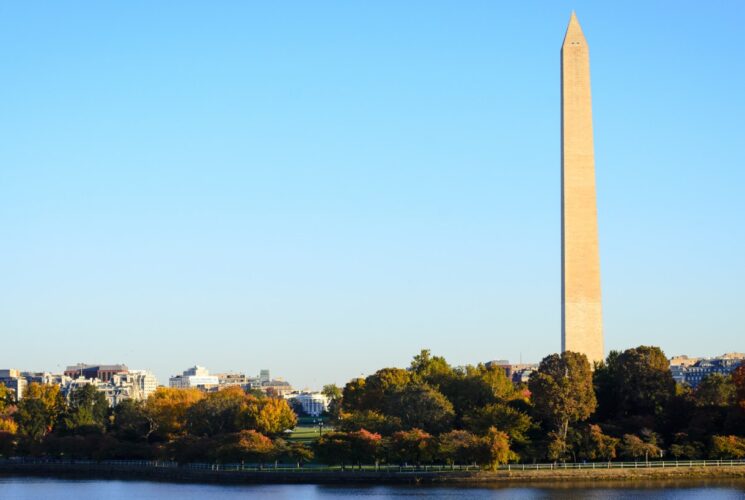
(305, 433)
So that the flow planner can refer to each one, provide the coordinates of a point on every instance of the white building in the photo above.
(139, 383)
(195, 377)
(145, 381)
(313, 403)
(46, 378)
(13, 380)
(136, 385)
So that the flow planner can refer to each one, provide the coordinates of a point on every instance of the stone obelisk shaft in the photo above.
(581, 316)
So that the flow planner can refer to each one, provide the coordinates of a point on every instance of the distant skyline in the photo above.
(325, 189)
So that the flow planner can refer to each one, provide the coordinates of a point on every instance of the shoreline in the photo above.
(591, 477)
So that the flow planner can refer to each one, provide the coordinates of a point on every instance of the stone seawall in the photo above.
(183, 474)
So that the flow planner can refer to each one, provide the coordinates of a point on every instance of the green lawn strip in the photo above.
(304, 433)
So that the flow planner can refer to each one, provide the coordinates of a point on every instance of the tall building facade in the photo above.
(101, 372)
(692, 371)
(581, 314)
(13, 380)
(194, 377)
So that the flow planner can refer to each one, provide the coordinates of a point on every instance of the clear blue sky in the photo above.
(324, 188)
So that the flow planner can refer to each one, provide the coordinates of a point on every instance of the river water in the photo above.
(22, 488)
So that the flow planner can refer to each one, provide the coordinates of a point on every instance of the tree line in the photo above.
(626, 407)
(186, 425)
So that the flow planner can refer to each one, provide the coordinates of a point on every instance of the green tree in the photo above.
(38, 411)
(738, 380)
(421, 407)
(353, 395)
(188, 449)
(382, 384)
(502, 416)
(334, 395)
(634, 383)
(477, 386)
(371, 420)
(431, 370)
(218, 412)
(86, 412)
(715, 390)
(331, 391)
(7, 443)
(590, 443)
(636, 448)
(562, 392)
(131, 421)
(605, 380)
(334, 448)
(458, 447)
(683, 447)
(296, 452)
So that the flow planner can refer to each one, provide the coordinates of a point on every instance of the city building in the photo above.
(692, 371)
(233, 379)
(195, 377)
(241, 380)
(135, 384)
(522, 376)
(518, 373)
(74, 384)
(101, 372)
(13, 380)
(145, 382)
(45, 378)
(581, 314)
(199, 377)
(276, 387)
(683, 361)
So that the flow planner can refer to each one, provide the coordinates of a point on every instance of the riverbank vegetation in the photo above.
(628, 407)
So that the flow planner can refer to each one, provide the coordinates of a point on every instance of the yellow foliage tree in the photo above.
(496, 449)
(167, 408)
(8, 425)
(269, 416)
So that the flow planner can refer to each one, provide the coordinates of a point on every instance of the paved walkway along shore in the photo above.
(208, 473)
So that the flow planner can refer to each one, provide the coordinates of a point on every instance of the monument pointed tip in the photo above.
(573, 21)
(574, 30)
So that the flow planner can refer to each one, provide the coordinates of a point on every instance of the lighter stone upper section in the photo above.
(581, 317)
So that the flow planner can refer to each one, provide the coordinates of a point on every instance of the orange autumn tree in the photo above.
(245, 446)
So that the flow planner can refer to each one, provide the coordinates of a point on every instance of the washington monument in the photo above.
(581, 311)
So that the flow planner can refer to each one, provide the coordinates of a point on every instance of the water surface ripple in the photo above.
(22, 488)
